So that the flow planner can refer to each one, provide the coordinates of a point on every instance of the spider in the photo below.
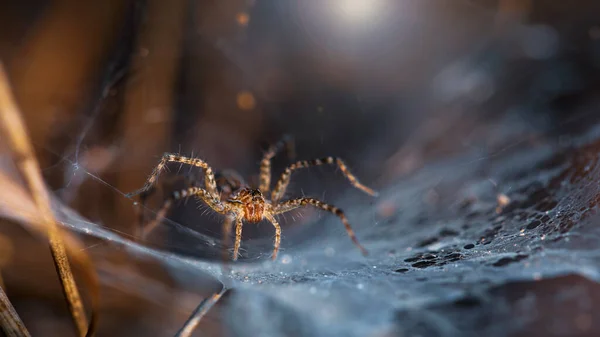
(227, 193)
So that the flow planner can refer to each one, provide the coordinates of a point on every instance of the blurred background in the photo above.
(106, 87)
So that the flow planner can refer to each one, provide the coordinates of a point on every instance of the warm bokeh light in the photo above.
(245, 100)
(242, 19)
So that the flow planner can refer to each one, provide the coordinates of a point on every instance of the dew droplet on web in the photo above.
(286, 259)
(329, 251)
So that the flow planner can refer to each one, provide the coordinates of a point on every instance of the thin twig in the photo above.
(190, 325)
(15, 134)
(9, 319)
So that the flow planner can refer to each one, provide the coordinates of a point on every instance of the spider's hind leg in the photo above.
(265, 165)
(284, 180)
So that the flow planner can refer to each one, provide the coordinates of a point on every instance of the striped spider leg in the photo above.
(284, 180)
(209, 180)
(209, 195)
(289, 205)
(265, 164)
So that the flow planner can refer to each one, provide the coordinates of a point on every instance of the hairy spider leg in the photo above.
(227, 227)
(295, 203)
(212, 201)
(265, 165)
(284, 180)
(277, 235)
(211, 185)
(238, 236)
(144, 230)
(190, 181)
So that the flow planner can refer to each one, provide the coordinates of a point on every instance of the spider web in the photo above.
(426, 258)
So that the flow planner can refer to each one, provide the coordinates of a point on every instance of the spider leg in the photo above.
(295, 203)
(238, 237)
(265, 164)
(211, 199)
(277, 235)
(284, 180)
(227, 226)
(209, 179)
(199, 192)
(144, 230)
(190, 180)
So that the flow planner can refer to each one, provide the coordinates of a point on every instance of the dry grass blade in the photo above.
(190, 325)
(9, 319)
(14, 133)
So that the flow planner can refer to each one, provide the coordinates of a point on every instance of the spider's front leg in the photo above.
(143, 231)
(199, 192)
(295, 203)
(238, 233)
(277, 235)
(211, 185)
(238, 237)
(227, 226)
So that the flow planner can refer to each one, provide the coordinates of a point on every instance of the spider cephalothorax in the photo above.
(227, 194)
(251, 203)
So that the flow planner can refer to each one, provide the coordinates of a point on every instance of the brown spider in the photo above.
(229, 195)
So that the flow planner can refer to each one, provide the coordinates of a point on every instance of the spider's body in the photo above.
(228, 194)
(251, 203)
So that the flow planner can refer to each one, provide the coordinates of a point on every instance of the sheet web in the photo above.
(440, 242)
